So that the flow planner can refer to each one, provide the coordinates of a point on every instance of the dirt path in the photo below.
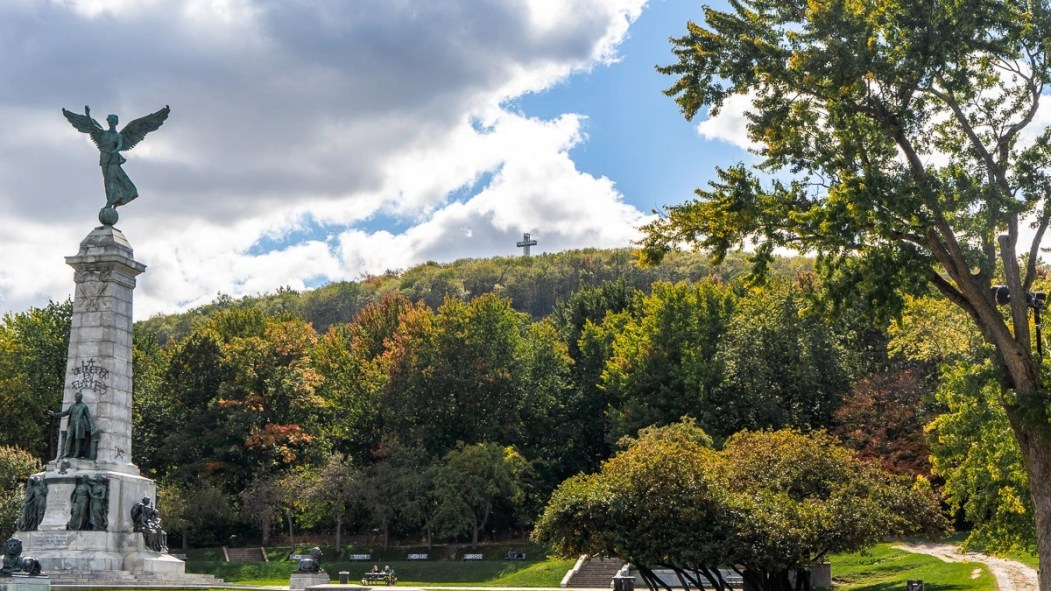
(1010, 575)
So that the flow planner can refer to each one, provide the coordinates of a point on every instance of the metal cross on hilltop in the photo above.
(525, 243)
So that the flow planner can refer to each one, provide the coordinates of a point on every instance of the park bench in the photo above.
(387, 578)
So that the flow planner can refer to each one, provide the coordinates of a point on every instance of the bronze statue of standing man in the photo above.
(110, 142)
(80, 430)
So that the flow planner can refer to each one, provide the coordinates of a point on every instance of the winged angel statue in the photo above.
(119, 188)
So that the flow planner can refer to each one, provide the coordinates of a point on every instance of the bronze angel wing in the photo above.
(85, 124)
(137, 129)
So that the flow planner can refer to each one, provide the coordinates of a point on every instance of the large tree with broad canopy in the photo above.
(903, 143)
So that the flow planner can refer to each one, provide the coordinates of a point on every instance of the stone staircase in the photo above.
(63, 580)
(595, 573)
(245, 555)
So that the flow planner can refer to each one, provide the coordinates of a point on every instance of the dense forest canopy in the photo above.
(244, 408)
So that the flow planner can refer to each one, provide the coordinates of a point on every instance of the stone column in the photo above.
(99, 369)
(99, 363)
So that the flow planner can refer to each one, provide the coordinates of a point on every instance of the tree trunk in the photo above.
(266, 532)
(291, 536)
(1029, 419)
(1042, 507)
(386, 534)
(1034, 442)
(339, 528)
(185, 539)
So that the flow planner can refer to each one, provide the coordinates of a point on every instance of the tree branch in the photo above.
(1034, 248)
(995, 170)
(1019, 309)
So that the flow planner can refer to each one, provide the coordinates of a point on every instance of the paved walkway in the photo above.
(1011, 575)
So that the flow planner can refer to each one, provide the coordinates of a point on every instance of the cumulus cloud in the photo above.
(731, 124)
(296, 126)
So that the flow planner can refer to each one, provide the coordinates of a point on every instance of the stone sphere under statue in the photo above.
(108, 216)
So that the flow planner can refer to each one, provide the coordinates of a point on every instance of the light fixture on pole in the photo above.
(1036, 301)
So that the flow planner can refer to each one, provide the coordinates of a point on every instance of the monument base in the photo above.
(304, 580)
(61, 552)
(25, 584)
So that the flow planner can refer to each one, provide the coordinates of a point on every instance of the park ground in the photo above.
(886, 567)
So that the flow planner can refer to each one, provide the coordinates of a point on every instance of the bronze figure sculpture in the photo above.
(110, 142)
(147, 521)
(33, 504)
(80, 430)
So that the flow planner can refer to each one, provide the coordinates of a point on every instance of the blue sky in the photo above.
(636, 135)
(320, 140)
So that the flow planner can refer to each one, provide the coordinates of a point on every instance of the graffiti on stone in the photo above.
(90, 376)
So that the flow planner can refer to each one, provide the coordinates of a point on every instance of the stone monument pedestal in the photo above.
(81, 537)
(19, 583)
(300, 580)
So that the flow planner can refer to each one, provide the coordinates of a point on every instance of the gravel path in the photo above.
(1010, 574)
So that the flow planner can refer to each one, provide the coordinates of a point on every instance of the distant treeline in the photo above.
(534, 285)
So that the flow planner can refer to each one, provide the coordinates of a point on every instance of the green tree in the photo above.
(768, 504)
(353, 363)
(199, 512)
(907, 134)
(580, 324)
(804, 496)
(395, 489)
(33, 349)
(457, 375)
(970, 439)
(654, 504)
(663, 363)
(16, 465)
(972, 448)
(152, 413)
(471, 481)
(547, 419)
(781, 366)
(196, 428)
(331, 492)
(261, 503)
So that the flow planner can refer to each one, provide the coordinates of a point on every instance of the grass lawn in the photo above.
(538, 573)
(885, 568)
(1025, 557)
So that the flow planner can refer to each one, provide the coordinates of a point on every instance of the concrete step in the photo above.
(246, 555)
(596, 573)
(126, 578)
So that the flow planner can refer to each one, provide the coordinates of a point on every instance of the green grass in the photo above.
(1023, 556)
(885, 568)
(414, 573)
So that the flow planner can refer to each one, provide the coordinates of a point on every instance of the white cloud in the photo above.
(296, 127)
(731, 124)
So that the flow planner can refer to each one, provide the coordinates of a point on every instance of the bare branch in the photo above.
(1034, 248)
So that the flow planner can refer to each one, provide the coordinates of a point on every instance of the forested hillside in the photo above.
(448, 401)
(534, 285)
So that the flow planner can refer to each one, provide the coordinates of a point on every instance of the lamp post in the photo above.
(1036, 301)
